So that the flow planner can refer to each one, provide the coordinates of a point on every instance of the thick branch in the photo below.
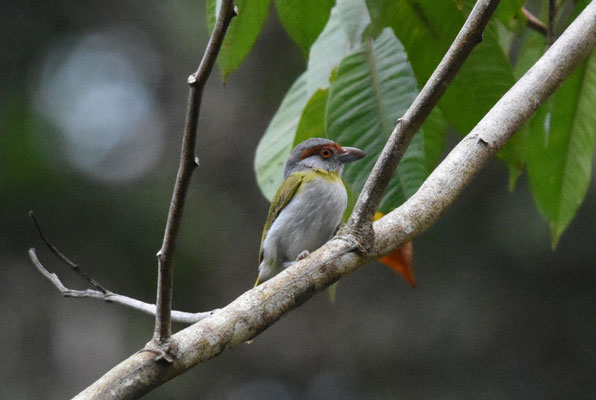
(360, 223)
(259, 308)
(165, 255)
(111, 297)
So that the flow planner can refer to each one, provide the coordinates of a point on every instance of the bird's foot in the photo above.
(303, 255)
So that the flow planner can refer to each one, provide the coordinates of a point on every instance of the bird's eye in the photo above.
(325, 153)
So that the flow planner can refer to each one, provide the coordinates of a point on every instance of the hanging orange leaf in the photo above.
(400, 259)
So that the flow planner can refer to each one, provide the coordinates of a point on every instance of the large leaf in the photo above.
(510, 14)
(242, 33)
(560, 148)
(434, 128)
(533, 47)
(355, 18)
(341, 35)
(276, 144)
(332, 45)
(512, 153)
(304, 19)
(312, 122)
(374, 86)
(424, 27)
(482, 81)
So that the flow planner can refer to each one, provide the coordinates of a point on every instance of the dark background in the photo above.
(92, 103)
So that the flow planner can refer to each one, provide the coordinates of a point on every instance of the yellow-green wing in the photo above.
(283, 196)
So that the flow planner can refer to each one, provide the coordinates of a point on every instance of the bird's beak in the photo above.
(351, 154)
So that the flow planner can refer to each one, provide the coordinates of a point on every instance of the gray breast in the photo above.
(307, 222)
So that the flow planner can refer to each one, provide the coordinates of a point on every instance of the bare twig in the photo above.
(550, 37)
(360, 223)
(259, 308)
(65, 259)
(534, 23)
(111, 297)
(165, 256)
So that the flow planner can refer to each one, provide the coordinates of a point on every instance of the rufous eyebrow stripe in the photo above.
(334, 147)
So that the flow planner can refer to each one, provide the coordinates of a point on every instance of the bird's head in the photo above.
(322, 154)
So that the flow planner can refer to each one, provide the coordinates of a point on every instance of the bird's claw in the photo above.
(301, 256)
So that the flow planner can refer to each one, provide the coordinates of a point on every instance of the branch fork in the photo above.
(188, 162)
(360, 223)
(111, 297)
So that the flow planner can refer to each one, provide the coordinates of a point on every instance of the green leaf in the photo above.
(560, 148)
(332, 291)
(276, 144)
(312, 122)
(304, 20)
(435, 129)
(374, 86)
(426, 28)
(482, 81)
(513, 153)
(242, 33)
(355, 19)
(510, 15)
(352, 199)
(532, 49)
(338, 39)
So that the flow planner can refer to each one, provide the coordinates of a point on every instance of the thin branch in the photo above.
(550, 37)
(165, 256)
(534, 23)
(259, 308)
(111, 297)
(360, 223)
(65, 259)
(101, 292)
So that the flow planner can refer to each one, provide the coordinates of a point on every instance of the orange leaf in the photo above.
(400, 259)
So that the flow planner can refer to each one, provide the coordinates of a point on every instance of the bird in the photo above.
(308, 207)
